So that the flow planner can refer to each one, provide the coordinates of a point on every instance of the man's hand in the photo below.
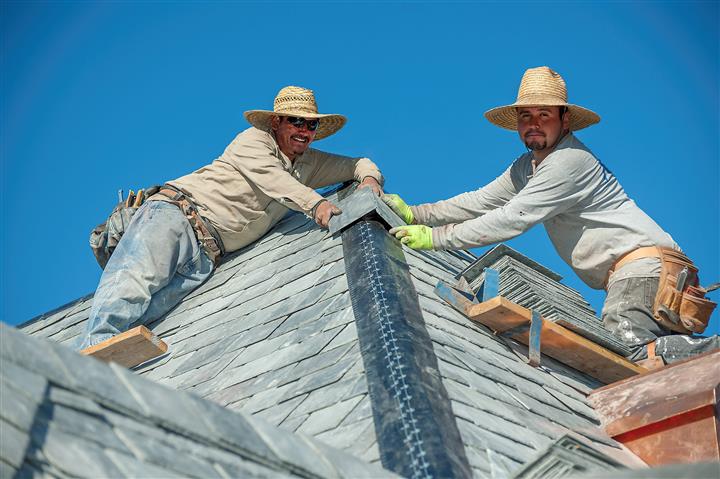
(324, 211)
(399, 207)
(372, 183)
(414, 236)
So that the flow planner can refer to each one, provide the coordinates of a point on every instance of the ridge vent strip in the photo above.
(415, 427)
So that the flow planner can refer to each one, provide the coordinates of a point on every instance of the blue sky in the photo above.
(98, 96)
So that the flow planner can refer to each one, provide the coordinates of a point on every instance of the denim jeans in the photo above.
(628, 314)
(156, 264)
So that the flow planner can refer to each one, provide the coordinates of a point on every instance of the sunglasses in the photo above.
(298, 122)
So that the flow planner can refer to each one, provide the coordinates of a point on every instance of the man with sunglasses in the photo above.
(178, 236)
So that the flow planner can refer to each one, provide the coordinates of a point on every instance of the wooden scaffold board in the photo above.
(502, 315)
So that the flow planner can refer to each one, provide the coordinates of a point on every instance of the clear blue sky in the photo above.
(97, 96)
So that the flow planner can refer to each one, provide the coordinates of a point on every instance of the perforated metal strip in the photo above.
(416, 429)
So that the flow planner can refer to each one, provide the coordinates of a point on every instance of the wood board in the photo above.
(128, 349)
(501, 315)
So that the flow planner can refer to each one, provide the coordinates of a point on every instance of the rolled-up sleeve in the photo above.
(556, 187)
(255, 160)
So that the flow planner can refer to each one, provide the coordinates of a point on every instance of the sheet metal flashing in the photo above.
(489, 258)
(359, 204)
(415, 425)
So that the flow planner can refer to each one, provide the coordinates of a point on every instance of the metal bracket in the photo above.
(456, 296)
(490, 287)
(534, 344)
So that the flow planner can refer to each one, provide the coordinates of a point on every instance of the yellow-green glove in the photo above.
(414, 236)
(399, 207)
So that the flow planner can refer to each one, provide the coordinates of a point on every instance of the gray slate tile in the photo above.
(32, 385)
(277, 413)
(13, 443)
(17, 408)
(329, 417)
(77, 424)
(132, 467)
(173, 453)
(292, 451)
(75, 456)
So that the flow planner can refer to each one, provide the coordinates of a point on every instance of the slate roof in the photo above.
(64, 415)
(273, 334)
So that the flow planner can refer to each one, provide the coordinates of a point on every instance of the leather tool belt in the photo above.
(204, 232)
(680, 304)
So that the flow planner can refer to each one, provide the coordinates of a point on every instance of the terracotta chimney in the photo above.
(667, 416)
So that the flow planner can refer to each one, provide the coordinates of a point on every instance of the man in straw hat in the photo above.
(177, 237)
(594, 226)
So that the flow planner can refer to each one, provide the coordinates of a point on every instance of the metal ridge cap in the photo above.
(357, 205)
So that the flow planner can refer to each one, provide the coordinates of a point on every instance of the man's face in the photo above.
(540, 127)
(292, 140)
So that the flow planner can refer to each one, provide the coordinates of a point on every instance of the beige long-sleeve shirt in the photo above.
(587, 214)
(251, 186)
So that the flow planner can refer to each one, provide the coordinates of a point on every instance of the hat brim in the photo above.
(506, 116)
(328, 125)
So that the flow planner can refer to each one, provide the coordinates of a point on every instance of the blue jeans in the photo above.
(156, 264)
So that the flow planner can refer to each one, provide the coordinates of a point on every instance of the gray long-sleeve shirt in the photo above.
(587, 214)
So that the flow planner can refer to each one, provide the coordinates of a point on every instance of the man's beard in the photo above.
(536, 144)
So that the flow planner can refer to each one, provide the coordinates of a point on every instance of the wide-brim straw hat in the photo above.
(542, 86)
(297, 101)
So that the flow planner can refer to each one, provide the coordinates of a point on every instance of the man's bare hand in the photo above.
(372, 183)
(324, 211)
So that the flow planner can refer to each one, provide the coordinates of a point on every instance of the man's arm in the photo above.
(555, 188)
(329, 168)
(467, 206)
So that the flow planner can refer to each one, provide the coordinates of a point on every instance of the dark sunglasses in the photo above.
(298, 122)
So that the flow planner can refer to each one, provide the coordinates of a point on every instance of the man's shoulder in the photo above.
(254, 137)
(253, 133)
(574, 151)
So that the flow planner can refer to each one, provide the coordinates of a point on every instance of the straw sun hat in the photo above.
(542, 86)
(296, 101)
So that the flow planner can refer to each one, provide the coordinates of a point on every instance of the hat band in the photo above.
(541, 100)
(295, 109)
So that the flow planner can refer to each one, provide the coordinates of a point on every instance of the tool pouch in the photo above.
(105, 237)
(685, 311)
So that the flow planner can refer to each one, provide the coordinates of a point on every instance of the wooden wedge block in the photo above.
(128, 349)
(501, 314)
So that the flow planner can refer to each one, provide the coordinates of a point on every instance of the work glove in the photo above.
(414, 236)
(399, 207)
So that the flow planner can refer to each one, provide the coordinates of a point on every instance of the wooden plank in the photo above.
(128, 349)
(501, 315)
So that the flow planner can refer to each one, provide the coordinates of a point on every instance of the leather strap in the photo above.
(652, 361)
(205, 233)
(651, 350)
(644, 252)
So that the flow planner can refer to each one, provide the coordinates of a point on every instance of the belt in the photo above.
(640, 253)
(204, 231)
